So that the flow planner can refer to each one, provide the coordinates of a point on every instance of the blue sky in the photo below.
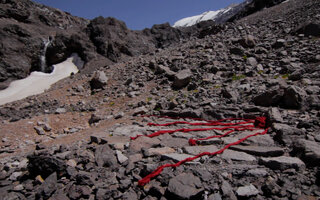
(138, 14)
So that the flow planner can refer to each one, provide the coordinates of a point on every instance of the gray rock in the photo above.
(285, 134)
(15, 176)
(268, 98)
(166, 70)
(39, 130)
(279, 43)
(176, 157)
(257, 172)
(275, 115)
(247, 191)
(85, 178)
(45, 126)
(140, 111)
(129, 131)
(130, 195)
(49, 186)
(252, 61)
(283, 163)
(158, 151)
(95, 118)
(248, 41)
(309, 29)
(215, 196)
(182, 79)
(259, 150)
(195, 150)
(60, 111)
(121, 158)
(45, 165)
(143, 142)
(237, 156)
(237, 51)
(308, 151)
(104, 156)
(99, 80)
(227, 191)
(293, 97)
(184, 186)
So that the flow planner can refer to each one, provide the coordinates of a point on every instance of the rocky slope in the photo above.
(73, 142)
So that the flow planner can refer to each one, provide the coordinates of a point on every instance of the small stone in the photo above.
(39, 179)
(23, 164)
(121, 158)
(252, 61)
(227, 191)
(72, 163)
(247, 191)
(257, 172)
(18, 188)
(39, 130)
(275, 115)
(60, 111)
(15, 176)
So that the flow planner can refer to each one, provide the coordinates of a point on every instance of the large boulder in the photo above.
(182, 79)
(45, 165)
(99, 80)
(309, 29)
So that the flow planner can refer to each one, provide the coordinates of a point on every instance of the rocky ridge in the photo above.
(73, 141)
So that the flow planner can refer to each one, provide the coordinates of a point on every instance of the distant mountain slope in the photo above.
(230, 13)
(219, 16)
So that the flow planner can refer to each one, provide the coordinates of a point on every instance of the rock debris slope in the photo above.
(73, 142)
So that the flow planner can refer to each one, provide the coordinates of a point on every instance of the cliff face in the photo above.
(33, 37)
(25, 28)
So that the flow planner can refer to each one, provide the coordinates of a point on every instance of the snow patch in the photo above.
(209, 15)
(38, 82)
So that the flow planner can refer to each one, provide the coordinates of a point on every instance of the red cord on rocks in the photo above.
(245, 124)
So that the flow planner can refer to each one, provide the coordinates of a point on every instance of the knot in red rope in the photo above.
(260, 122)
(192, 142)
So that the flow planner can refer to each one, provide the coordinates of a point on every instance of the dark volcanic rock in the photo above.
(308, 29)
(49, 186)
(46, 165)
(182, 79)
(308, 151)
(105, 156)
(184, 186)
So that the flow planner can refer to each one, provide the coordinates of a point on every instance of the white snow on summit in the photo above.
(209, 15)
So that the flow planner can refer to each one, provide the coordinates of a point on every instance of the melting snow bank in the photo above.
(38, 82)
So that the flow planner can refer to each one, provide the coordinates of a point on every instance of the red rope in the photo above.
(259, 123)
